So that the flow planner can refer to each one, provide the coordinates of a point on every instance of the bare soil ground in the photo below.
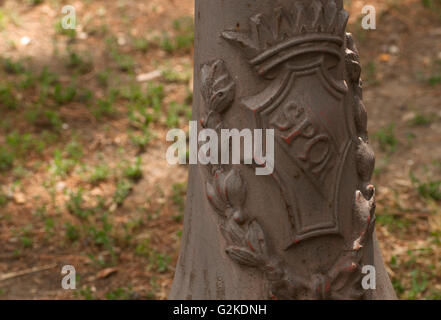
(83, 179)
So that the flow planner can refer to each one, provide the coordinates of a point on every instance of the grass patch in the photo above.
(99, 174)
(182, 39)
(134, 172)
(119, 294)
(429, 190)
(6, 159)
(72, 232)
(420, 119)
(75, 205)
(123, 189)
(7, 98)
(386, 138)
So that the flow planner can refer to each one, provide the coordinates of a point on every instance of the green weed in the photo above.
(75, 205)
(100, 173)
(120, 294)
(134, 172)
(72, 232)
(123, 189)
(386, 138)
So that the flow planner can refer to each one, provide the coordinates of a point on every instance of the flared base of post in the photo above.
(205, 271)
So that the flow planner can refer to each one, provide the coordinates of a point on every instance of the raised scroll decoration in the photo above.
(295, 50)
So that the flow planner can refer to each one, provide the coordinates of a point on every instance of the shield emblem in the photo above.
(311, 143)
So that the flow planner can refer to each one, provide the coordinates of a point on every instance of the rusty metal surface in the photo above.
(306, 231)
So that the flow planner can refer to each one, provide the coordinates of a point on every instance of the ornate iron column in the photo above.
(307, 230)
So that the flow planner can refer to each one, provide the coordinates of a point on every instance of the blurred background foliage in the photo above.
(84, 114)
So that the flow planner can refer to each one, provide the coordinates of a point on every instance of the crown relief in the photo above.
(286, 33)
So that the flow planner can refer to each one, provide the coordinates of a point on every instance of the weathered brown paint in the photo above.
(306, 231)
